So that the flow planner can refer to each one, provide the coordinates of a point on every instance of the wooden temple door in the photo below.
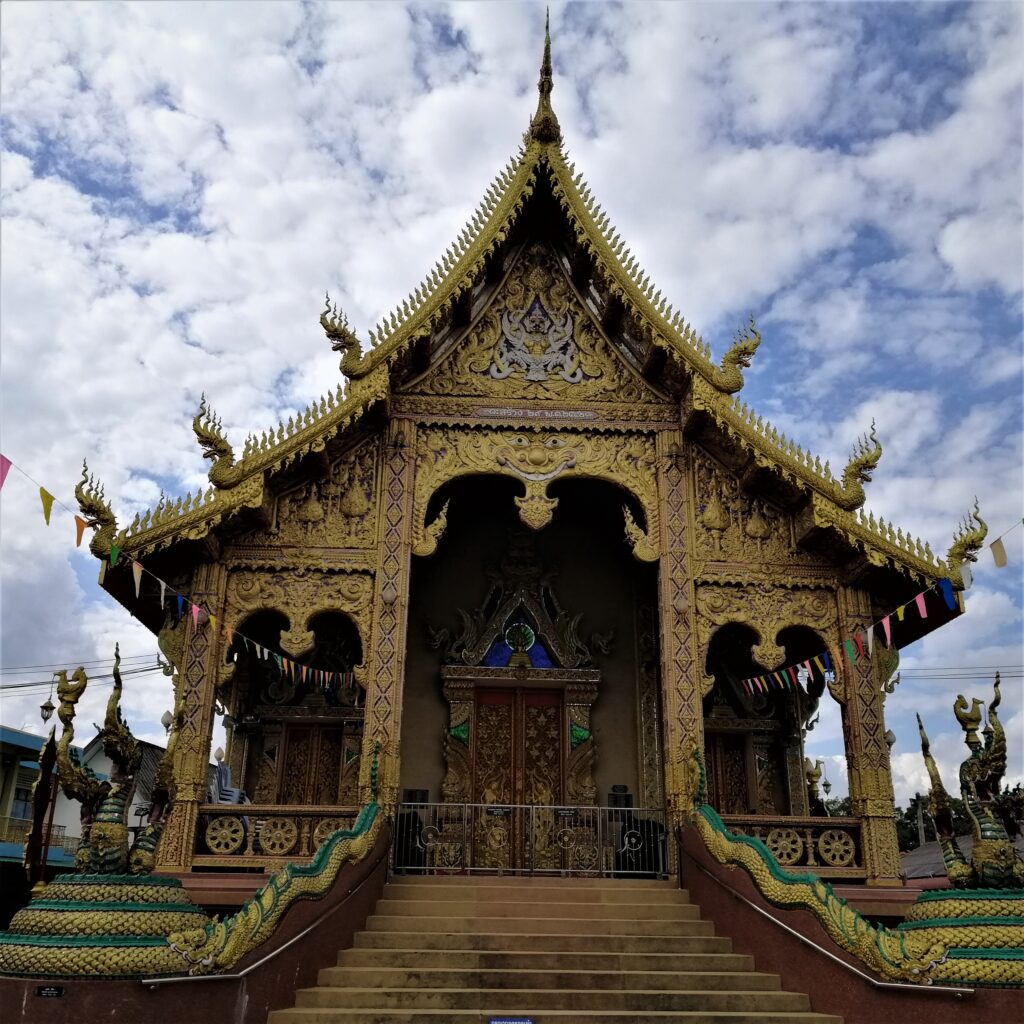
(518, 774)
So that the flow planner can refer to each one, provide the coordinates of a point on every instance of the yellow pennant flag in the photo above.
(47, 499)
(998, 550)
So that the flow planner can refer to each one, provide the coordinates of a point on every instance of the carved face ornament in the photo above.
(537, 458)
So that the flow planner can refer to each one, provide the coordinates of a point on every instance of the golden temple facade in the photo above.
(534, 540)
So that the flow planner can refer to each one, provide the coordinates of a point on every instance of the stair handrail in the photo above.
(957, 991)
(239, 975)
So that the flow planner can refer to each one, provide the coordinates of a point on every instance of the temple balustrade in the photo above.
(830, 847)
(265, 836)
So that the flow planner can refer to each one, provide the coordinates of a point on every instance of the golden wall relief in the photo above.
(536, 341)
(537, 458)
(767, 610)
(337, 511)
(300, 595)
(735, 527)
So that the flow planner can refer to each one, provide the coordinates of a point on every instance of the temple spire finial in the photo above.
(544, 127)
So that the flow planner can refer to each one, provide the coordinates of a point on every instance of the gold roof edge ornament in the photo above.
(342, 339)
(867, 451)
(209, 431)
(544, 128)
(967, 542)
(96, 512)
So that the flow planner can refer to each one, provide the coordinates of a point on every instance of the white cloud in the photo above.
(180, 185)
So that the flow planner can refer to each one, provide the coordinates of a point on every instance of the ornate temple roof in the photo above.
(652, 336)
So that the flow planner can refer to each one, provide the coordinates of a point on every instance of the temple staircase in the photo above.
(545, 950)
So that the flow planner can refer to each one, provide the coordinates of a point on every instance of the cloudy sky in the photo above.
(182, 182)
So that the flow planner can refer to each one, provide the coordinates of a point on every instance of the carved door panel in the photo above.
(727, 782)
(518, 759)
(494, 778)
(297, 766)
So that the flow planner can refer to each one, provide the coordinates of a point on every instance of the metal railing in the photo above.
(16, 830)
(532, 839)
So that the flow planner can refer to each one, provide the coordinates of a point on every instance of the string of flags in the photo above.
(323, 680)
(860, 645)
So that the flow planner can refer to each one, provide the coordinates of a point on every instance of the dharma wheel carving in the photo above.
(225, 835)
(836, 848)
(786, 844)
(278, 836)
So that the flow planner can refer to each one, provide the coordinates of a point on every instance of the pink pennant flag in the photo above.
(80, 525)
(47, 499)
(792, 676)
(746, 688)
(810, 671)
(5, 468)
(163, 591)
(920, 606)
(137, 573)
(195, 616)
(887, 630)
(860, 645)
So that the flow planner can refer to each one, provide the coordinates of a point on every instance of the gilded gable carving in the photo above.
(736, 527)
(337, 511)
(536, 341)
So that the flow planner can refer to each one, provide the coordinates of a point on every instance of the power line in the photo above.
(16, 669)
(41, 686)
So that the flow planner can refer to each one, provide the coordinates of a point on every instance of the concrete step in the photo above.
(523, 1000)
(564, 893)
(453, 977)
(531, 959)
(484, 1015)
(576, 943)
(527, 907)
(537, 925)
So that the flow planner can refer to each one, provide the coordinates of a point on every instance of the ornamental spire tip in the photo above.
(544, 127)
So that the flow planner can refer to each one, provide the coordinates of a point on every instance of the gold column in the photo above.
(386, 657)
(198, 674)
(681, 675)
(867, 753)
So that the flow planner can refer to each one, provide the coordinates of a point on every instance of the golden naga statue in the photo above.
(994, 863)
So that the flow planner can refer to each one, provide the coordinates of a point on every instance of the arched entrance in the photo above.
(531, 730)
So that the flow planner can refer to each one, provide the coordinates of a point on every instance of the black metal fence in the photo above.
(532, 839)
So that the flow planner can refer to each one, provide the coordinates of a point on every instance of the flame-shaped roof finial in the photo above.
(544, 127)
